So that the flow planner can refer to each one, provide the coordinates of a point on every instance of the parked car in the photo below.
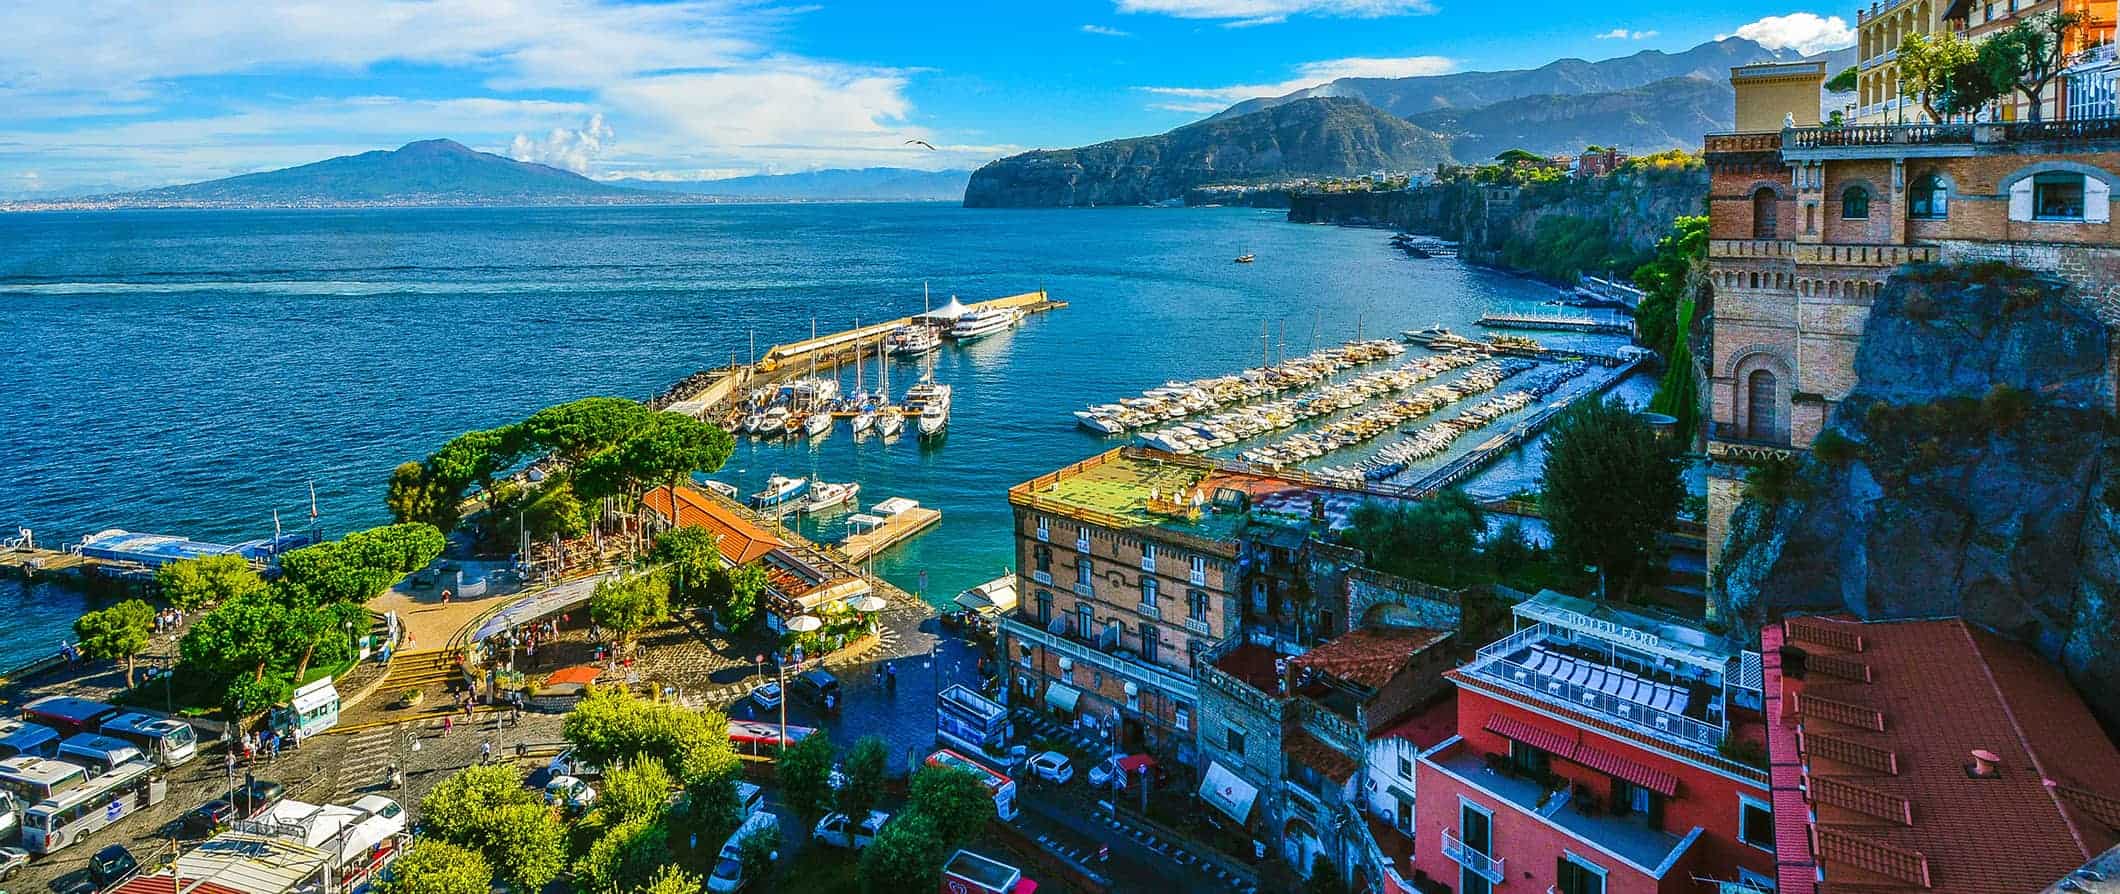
(815, 685)
(567, 764)
(767, 695)
(255, 796)
(104, 871)
(728, 865)
(832, 829)
(569, 792)
(208, 819)
(1052, 766)
(12, 859)
(1104, 772)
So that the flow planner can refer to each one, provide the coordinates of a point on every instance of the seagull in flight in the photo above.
(931, 146)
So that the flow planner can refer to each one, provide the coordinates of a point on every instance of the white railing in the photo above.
(1148, 562)
(1667, 725)
(1086, 591)
(1195, 625)
(1486, 867)
(1043, 577)
(1178, 685)
(1082, 543)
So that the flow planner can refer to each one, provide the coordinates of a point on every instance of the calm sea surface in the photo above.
(190, 372)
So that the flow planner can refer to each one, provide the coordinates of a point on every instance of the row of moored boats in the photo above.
(1376, 422)
(783, 494)
(1246, 422)
(1428, 442)
(1179, 399)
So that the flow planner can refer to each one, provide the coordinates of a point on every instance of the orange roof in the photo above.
(1370, 656)
(1305, 749)
(1887, 718)
(165, 884)
(742, 541)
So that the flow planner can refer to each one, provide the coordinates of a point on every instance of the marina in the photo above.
(1600, 324)
(886, 525)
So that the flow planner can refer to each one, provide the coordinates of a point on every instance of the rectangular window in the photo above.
(1043, 555)
(1181, 717)
(1755, 823)
(1149, 643)
(1085, 620)
(1083, 572)
(1575, 875)
(1133, 700)
(1044, 529)
(1529, 761)
(1045, 608)
(1405, 767)
(2057, 196)
(1199, 570)
(1082, 539)
(1196, 603)
(1148, 557)
(1234, 741)
(1148, 591)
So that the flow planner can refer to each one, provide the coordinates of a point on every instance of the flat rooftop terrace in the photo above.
(1137, 488)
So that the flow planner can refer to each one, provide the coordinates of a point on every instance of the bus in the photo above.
(30, 740)
(169, 742)
(67, 714)
(34, 779)
(64, 820)
(761, 739)
(100, 754)
(1004, 788)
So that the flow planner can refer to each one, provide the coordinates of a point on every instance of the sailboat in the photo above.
(931, 399)
(890, 420)
(864, 406)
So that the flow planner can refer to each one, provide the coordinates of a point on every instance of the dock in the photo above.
(1556, 323)
(879, 533)
(28, 563)
(705, 394)
(1464, 467)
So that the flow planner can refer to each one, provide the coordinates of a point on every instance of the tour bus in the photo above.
(34, 779)
(100, 754)
(762, 739)
(166, 741)
(314, 709)
(1004, 788)
(67, 714)
(79, 812)
(30, 740)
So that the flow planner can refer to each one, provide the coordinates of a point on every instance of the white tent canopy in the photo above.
(947, 312)
(1229, 793)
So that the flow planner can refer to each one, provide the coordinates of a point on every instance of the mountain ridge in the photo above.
(875, 184)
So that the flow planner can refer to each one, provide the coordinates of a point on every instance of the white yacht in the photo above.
(819, 422)
(982, 322)
(779, 489)
(889, 422)
(773, 422)
(828, 495)
(932, 400)
(864, 422)
(911, 340)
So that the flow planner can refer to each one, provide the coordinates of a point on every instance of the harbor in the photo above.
(1598, 324)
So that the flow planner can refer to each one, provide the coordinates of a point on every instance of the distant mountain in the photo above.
(839, 184)
(428, 172)
(1669, 114)
(1564, 77)
(1324, 136)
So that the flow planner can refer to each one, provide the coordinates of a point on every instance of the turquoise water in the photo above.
(190, 372)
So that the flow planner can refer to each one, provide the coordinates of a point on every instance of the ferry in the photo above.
(981, 323)
(911, 340)
(828, 495)
(779, 489)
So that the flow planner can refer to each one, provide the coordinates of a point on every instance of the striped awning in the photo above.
(1619, 767)
(1545, 740)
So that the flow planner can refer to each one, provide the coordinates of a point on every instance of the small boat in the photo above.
(828, 495)
(819, 422)
(889, 422)
(933, 399)
(1426, 336)
(773, 423)
(911, 340)
(1245, 258)
(720, 487)
(779, 489)
(863, 422)
(982, 322)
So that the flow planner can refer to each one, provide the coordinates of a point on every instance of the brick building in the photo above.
(1919, 756)
(1598, 750)
(1978, 19)
(1808, 222)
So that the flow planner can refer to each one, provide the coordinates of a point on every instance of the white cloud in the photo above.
(1308, 74)
(569, 149)
(1241, 13)
(1804, 32)
(1105, 31)
(1624, 34)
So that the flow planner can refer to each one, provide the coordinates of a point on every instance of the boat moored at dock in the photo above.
(982, 322)
(779, 490)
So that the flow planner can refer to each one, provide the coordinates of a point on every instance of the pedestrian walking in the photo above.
(448, 723)
(485, 752)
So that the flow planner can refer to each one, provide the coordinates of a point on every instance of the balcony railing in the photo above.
(1486, 867)
(1876, 135)
(1086, 591)
(1727, 441)
(1043, 577)
(1082, 544)
(1177, 684)
(2076, 131)
(1743, 142)
(1195, 625)
(1494, 663)
(1750, 248)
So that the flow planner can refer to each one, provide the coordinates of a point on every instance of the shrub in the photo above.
(1835, 448)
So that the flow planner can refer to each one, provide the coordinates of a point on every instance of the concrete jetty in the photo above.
(880, 533)
(1556, 323)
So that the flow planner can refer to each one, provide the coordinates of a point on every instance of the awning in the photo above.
(1511, 728)
(1062, 696)
(578, 675)
(1229, 794)
(1619, 767)
(313, 697)
(1135, 763)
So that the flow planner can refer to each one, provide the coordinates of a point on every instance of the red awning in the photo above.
(1511, 728)
(1133, 763)
(1619, 767)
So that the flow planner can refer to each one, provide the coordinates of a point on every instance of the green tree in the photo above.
(1844, 81)
(628, 605)
(663, 451)
(744, 591)
(611, 725)
(1666, 279)
(625, 856)
(1325, 877)
(241, 636)
(245, 695)
(2027, 56)
(1520, 157)
(577, 429)
(1434, 540)
(671, 880)
(207, 581)
(804, 770)
(865, 765)
(117, 633)
(906, 856)
(1612, 486)
(416, 496)
(957, 801)
(434, 866)
(486, 808)
(693, 554)
(1935, 70)
(633, 790)
(758, 851)
(359, 566)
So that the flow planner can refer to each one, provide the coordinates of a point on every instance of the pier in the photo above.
(1464, 467)
(872, 534)
(719, 386)
(1556, 322)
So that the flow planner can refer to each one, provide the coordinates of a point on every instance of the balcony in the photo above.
(1149, 610)
(1085, 591)
(1751, 248)
(1148, 564)
(1718, 143)
(1082, 544)
(1942, 140)
(1727, 443)
(1195, 625)
(1864, 255)
(1628, 837)
(1539, 664)
(1479, 864)
(1174, 683)
(1043, 577)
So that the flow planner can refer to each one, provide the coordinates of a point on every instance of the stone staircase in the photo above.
(420, 669)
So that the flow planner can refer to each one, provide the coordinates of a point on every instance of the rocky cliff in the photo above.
(1326, 137)
(1970, 472)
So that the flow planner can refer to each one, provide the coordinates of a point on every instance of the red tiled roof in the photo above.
(1508, 727)
(1622, 768)
(1305, 749)
(1901, 742)
(164, 884)
(1254, 665)
(742, 541)
(1370, 656)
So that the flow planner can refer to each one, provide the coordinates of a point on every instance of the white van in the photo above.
(101, 754)
(750, 801)
(728, 865)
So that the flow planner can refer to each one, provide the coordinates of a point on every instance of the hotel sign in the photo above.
(1599, 626)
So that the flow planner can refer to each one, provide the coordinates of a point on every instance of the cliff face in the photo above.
(1970, 472)
(1328, 137)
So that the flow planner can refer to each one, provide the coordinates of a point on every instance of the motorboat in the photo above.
(932, 399)
(1245, 258)
(889, 422)
(828, 495)
(1099, 423)
(864, 421)
(911, 340)
(982, 322)
(773, 422)
(779, 489)
(752, 422)
(819, 422)
(720, 487)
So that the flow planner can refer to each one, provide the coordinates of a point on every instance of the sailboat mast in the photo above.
(1265, 344)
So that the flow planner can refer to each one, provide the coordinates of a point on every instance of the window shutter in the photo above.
(2021, 199)
(2097, 201)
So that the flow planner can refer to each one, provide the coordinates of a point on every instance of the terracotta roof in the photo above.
(742, 541)
(1623, 768)
(1370, 656)
(165, 884)
(1305, 749)
(1897, 809)
(1508, 727)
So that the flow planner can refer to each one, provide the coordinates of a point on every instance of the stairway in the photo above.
(419, 669)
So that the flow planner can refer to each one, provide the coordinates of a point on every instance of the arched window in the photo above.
(1761, 395)
(1765, 211)
(1855, 204)
(1930, 199)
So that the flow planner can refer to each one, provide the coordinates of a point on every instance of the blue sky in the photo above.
(117, 94)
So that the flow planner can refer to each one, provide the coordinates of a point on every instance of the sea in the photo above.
(195, 372)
